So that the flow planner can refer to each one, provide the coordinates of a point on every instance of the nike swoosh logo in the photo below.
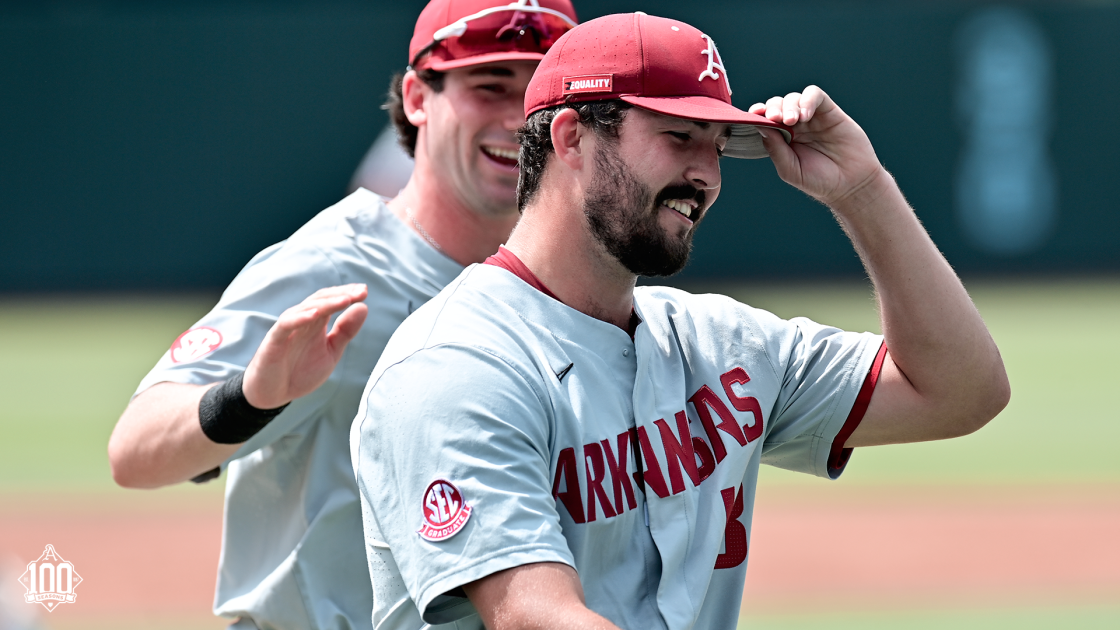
(562, 373)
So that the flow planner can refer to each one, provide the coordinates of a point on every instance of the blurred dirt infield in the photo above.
(148, 560)
(145, 560)
(837, 548)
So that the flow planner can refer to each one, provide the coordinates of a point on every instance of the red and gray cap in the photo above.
(458, 33)
(655, 63)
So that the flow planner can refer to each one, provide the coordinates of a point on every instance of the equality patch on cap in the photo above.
(589, 83)
(445, 512)
(195, 343)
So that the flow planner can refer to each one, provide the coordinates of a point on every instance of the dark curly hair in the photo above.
(394, 104)
(535, 136)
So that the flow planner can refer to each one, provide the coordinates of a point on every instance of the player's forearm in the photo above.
(553, 618)
(158, 440)
(933, 330)
(539, 596)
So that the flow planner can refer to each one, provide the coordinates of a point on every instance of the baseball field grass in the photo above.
(1039, 485)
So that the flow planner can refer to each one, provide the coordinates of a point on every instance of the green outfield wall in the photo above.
(159, 145)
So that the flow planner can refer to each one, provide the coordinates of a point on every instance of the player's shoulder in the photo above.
(714, 325)
(358, 239)
(492, 311)
(469, 334)
(355, 222)
(333, 228)
(671, 303)
(480, 308)
(355, 212)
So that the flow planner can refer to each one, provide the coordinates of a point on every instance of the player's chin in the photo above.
(498, 194)
(496, 176)
(503, 186)
(484, 175)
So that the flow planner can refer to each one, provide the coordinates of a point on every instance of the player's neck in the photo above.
(441, 218)
(563, 254)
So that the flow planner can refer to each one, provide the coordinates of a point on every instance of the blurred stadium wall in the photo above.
(159, 145)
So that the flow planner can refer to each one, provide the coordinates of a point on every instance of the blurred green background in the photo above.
(138, 135)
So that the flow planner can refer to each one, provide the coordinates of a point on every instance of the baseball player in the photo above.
(571, 451)
(266, 386)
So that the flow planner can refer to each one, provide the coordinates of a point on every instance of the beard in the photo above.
(623, 214)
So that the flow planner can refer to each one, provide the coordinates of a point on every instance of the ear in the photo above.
(413, 96)
(569, 139)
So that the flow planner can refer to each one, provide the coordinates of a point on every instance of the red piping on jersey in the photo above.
(838, 455)
(510, 262)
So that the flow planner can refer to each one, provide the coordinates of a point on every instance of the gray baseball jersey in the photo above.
(292, 538)
(525, 431)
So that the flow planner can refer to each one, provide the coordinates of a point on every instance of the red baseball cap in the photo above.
(655, 63)
(458, 33)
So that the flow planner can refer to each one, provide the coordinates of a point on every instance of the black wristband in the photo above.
(209, 475)
(227, 418)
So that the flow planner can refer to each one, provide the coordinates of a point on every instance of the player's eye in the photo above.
(680, 135)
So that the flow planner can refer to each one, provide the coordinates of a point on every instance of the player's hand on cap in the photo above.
(299, 353)
(830, 157)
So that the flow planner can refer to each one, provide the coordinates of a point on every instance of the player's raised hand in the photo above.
(830, 157)
(299, 353)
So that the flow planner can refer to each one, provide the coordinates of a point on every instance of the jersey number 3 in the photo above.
(735, 535)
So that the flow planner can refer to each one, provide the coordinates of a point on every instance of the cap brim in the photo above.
(443, 65)
(744, 143)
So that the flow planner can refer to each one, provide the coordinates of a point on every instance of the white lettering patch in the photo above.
(195, 343)
(589, 83)
(445, 512)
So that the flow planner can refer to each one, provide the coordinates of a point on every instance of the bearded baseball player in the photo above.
(266, 386)
(569, 451)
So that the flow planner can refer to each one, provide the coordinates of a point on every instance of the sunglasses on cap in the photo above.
(523, 25)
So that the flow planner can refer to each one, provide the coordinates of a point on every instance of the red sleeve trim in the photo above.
(510, 262)
(838, 455)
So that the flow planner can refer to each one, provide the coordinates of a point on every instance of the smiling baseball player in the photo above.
(264, 388)
(571, 451)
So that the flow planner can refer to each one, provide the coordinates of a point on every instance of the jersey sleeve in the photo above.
(273, 281)
(822, 372)
(467, 418)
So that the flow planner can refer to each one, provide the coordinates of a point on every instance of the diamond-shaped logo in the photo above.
(50, 580)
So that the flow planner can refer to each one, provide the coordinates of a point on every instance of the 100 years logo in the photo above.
(50, 580)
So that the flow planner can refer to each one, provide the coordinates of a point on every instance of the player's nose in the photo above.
(703, 170)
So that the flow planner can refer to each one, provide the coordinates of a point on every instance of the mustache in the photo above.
(681, 191)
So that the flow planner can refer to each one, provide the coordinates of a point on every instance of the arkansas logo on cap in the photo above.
(195, 343)
(715, 62)
(589, 83)
(445, 512)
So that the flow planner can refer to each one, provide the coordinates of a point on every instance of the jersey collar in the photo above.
(510, 262)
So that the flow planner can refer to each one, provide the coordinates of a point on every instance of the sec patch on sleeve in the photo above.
(445, 512)
(195, 343)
